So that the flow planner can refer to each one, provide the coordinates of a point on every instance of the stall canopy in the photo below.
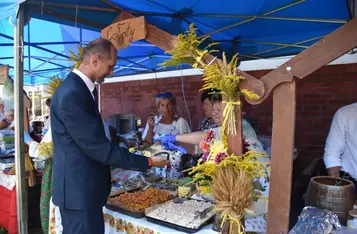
(254, 29)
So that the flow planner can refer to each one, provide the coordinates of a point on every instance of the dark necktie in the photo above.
(95, 94)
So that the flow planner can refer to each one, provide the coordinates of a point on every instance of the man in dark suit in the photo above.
(82, 153)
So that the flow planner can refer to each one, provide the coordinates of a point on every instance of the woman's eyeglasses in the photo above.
(167, 94)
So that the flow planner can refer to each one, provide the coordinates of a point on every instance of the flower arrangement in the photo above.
(45, 149)
(205, 171)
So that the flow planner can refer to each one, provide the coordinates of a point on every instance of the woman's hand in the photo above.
(164, 139)
(151, 121)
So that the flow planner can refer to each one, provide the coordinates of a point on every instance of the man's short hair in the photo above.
(48, 102)
(208, 93)
(100, 47)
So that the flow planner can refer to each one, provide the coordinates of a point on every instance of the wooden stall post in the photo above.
(284, 101)
(235, 143)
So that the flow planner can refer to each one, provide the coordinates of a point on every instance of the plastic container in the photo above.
(352, 219)
(7, 139)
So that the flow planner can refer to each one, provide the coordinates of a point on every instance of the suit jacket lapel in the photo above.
(81, 82)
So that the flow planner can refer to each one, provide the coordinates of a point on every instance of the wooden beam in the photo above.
(320, 54)
(69, 17)
(164, 41)
(284, 102)
(235, 143)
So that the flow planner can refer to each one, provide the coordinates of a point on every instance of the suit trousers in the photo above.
(82, 221)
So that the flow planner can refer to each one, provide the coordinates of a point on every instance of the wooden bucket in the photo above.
(334, 194)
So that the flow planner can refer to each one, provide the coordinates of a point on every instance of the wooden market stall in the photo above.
(281, 84)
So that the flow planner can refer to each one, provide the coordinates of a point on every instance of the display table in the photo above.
(8, 212)
(118, 223)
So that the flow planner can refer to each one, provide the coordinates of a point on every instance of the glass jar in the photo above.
(352, 219)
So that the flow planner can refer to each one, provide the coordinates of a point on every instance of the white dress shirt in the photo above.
(86, 80)
(341, 143)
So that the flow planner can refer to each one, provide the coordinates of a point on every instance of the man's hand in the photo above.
(159, 162)
(333, 171)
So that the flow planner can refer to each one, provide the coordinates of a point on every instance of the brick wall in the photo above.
(318, 97)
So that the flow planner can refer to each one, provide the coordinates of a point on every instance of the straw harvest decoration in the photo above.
(217, 74)
(28, 168)
(186, 50)
(76, 58)
(46, 148)
(55, 81)
(230, 203)
(229, 177)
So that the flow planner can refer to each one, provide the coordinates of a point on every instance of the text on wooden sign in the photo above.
(122, 33)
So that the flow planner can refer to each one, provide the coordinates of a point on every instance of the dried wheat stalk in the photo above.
(233, 191)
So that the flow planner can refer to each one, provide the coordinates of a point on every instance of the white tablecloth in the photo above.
(118, 223)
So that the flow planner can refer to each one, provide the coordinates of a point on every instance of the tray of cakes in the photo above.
(185, 215)
(134, 203)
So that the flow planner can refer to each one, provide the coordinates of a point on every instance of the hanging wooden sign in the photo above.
(4, 74)
(124, 32)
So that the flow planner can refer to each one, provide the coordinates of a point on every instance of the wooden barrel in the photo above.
(334, 194)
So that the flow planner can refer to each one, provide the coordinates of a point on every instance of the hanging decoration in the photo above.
(228, 177)
(54, 83)
(186, 50)
(230, 204)
(218, 74)
(46, 148)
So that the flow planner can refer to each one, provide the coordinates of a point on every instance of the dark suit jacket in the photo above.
(82, 153)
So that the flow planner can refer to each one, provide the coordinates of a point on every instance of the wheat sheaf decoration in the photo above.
(54, 83)
(233, 190)
(217, 74)
(45, 149)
